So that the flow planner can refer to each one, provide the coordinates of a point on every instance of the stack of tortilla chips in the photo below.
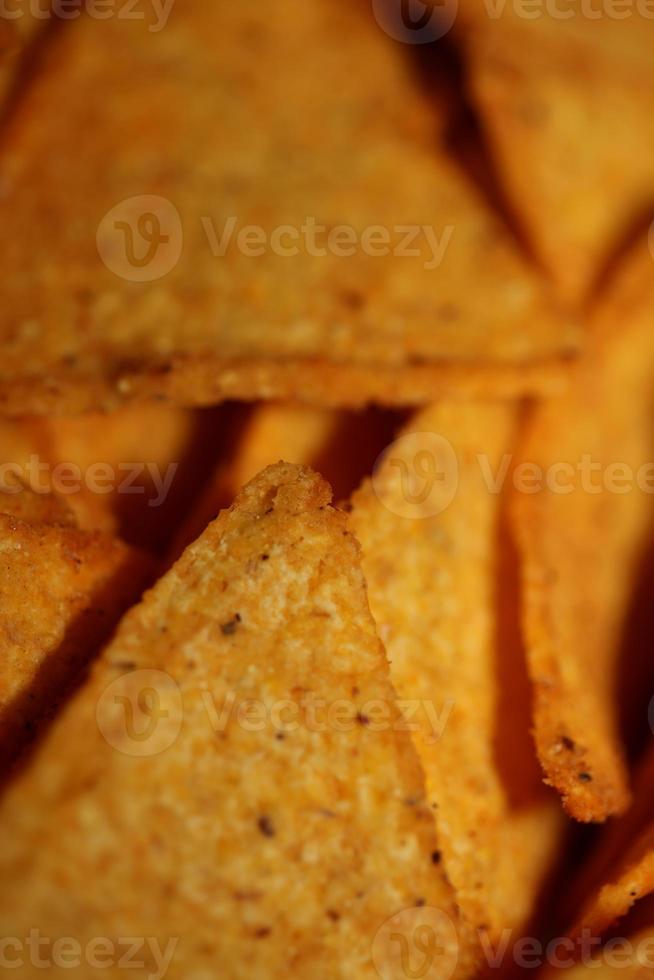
(370, 417)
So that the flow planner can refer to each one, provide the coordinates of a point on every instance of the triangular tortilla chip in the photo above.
(274, 431)
(196, 791)
(566, 103)
(294, 433)
(443, 595)
(61, 592)
(628, 876)
(583, 519)
(234, 127)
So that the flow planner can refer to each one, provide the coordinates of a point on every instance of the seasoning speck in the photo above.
(265, 825)
(228, 628)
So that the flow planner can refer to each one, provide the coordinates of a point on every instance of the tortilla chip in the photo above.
(269, 845)
(628, 876)
(275, 431)
(17, 499)
(61, 592)
(581, 550)
(566, 104)
(121, 473)
(267, 141)
(442, 592)
(629, 955)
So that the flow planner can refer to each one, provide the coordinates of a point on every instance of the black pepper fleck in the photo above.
(227, 629)
(265, 825)
(585, 777)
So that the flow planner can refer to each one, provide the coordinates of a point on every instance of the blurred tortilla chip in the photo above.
(627, 877)
(245, 803)
(583, 521)
(337, 444)
(628, 955)
(62, 591)
(443, 594)
(566, 104)
(17, 34)
(129, 472)
(17, 499)
(344, 277)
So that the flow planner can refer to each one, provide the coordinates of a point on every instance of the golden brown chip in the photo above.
(442, 591)
(628, 876)
(583, 516)
(119, 473)
(629, 954)
(231, 781)
(61, 592)
(17, 499)
(275, 431)
(266, 234)
(337, 444)
(566, 103)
